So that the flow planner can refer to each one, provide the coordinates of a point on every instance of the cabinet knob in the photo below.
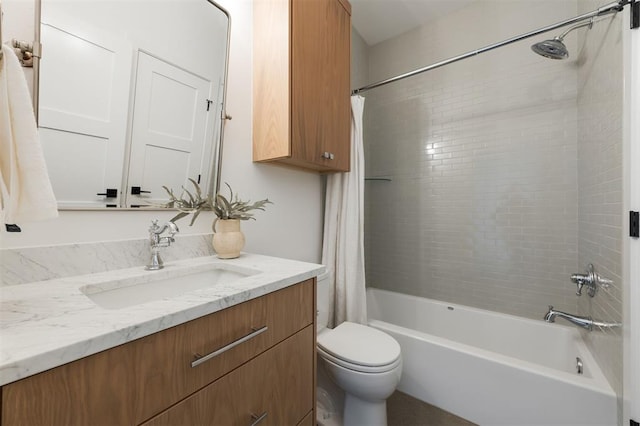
(327, 155)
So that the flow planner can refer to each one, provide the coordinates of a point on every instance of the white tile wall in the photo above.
(600, 215)
(481, 209)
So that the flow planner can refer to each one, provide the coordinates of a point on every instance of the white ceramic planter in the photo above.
(228, 239)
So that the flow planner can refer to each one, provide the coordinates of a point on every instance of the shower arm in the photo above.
(614, 7)
(575, 27)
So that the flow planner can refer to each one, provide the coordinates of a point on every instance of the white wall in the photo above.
(359, 60)
(631, 301)
(291, 227)
(18, 23)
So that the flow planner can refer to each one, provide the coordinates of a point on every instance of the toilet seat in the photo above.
(356, 367)
(360, 348)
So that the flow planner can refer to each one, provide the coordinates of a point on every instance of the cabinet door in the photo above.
(320, 97)
(276, 387)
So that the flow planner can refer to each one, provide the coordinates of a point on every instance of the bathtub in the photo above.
(490, 368)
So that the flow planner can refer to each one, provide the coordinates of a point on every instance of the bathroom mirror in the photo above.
(131, 98)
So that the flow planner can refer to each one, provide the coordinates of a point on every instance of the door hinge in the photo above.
(635, 15)
(199, 177)
(634, 224)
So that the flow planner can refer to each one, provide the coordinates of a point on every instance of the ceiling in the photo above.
(379, 20)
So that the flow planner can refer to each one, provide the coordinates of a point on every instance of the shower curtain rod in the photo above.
(603, 10)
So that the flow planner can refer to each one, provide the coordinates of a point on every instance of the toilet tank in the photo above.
(322, 300)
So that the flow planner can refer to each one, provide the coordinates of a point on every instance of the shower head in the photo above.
(555, 48)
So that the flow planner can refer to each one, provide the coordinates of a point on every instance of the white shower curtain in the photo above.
(343, 242)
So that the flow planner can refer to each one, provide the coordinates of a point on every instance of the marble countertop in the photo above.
(49, 323)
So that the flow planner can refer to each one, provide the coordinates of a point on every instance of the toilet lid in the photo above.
(360, 345)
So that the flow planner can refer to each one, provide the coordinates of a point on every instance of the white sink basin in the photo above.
(158, 285)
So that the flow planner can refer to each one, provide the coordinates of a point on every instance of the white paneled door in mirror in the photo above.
(131, 95)
(172, 121)
(85, 78)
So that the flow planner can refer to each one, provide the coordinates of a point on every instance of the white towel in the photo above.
(25, 190)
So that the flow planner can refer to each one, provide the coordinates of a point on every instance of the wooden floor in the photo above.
(404, 410)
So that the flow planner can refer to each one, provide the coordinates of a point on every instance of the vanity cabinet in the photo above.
(264, 362)
(272, 387)
(301, 83)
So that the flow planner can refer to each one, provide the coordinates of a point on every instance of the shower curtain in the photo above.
(343, 241)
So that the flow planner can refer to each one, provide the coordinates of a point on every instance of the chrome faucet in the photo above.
(584, 322)
(592, 280)
(156, 241)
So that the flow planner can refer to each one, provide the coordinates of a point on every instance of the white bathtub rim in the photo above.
(444, 304)
(597, 382)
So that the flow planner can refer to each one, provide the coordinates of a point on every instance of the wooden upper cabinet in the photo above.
(301, 103)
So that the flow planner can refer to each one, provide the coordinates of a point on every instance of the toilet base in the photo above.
(358, 412)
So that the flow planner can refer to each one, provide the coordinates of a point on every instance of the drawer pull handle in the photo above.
(199, 359)
(257, 419)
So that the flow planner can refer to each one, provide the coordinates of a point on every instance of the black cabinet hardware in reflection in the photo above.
(110, 193)
(136, 190)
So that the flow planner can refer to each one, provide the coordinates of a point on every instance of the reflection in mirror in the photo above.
(131, 98)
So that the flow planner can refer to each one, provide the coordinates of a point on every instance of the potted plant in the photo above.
(228, 239)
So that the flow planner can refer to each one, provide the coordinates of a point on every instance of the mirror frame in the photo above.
(216, 165)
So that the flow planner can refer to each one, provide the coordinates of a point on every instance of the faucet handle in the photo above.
(154, 225)
(173, 230)
(588, 279)
(579, 283)
(592, 280)
(605, 283)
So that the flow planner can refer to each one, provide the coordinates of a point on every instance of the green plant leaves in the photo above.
(223, 207)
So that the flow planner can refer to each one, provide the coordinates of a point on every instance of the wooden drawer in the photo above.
(277, 386)
(133, 382)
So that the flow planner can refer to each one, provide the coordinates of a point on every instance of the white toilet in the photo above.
(363, 361)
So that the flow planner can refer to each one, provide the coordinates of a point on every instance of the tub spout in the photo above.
(584, 322)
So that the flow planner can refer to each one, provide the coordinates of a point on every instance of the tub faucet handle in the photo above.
(592, 280)
(580, 281)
